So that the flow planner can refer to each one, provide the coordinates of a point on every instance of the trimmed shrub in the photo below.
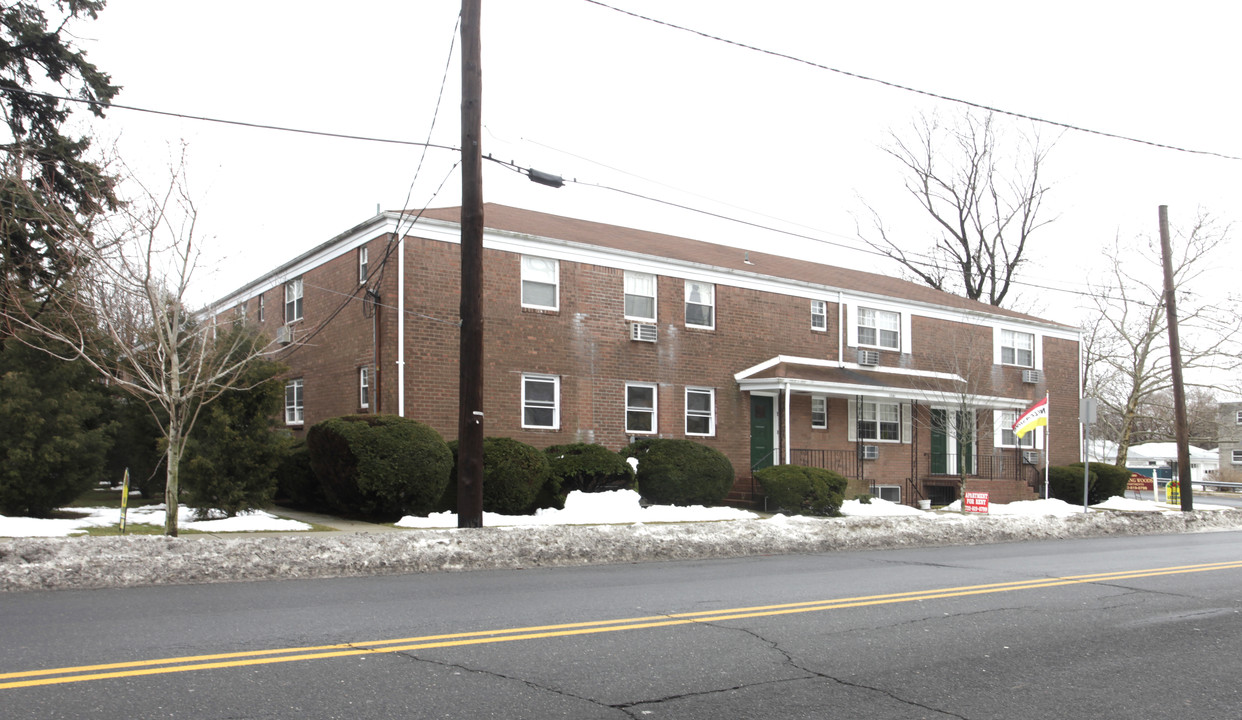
(803, 490)
(587, 467)
(514, 474)
(379, 465)
(1065, 483)
(296, 484)
(1110, 480)
(680, 472)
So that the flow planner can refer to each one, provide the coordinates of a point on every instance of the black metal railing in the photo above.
(993, 466)
(843, 462)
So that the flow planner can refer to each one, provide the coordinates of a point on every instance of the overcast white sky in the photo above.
(582, 91)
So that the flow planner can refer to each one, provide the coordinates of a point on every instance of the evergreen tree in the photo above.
(232, 455)
(50, 191)
(55, 429)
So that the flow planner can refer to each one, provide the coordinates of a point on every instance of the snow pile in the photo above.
(612, 507)
(52, 563)
(249, 521)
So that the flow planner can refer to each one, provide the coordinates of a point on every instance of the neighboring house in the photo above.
(597, 333)
(1159, 459)
(1229, 435)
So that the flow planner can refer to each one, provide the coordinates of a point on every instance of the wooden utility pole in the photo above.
(470, 358)
(1175, 360)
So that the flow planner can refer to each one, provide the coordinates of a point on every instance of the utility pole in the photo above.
(470, 357)
(1175, 360)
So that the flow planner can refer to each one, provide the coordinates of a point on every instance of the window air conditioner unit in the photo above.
(643, 332)
(1032, 376)
(284, 335)
(870, 452)
(1030, 457)
(868, 357)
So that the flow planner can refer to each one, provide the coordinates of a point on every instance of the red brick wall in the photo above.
(586, 343)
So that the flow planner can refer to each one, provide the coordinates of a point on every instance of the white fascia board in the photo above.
(349, 240)
(935, 397)
(819, 362)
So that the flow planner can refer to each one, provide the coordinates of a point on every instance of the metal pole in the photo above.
(1175, 360)
(470, 359)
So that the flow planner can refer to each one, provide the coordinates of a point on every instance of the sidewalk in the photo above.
(339, 526)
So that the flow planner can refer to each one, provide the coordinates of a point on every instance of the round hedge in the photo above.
(802, 490)
(1065, 483)
(514, 474)
(1110, 481)
(587, 467)
(680, 472)
(379, 465)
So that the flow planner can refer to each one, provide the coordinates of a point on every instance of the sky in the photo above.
(630, 107)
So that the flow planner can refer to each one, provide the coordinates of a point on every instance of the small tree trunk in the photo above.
(172, 488)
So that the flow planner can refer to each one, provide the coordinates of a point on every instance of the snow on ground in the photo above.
(250, 521)
(601, 528)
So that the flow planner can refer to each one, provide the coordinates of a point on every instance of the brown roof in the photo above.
(528, 222)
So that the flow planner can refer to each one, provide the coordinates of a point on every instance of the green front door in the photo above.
(939, 442)
(762, 431)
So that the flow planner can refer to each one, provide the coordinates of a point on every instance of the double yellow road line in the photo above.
(136, 668)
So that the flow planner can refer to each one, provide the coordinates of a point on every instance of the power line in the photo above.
(907, 88)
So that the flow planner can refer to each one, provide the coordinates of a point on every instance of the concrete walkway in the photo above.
(338, 525)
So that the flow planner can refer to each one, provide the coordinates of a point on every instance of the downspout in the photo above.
(401, 327)
(788, 455)
(840, 328)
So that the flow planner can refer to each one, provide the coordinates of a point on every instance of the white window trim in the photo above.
(1003, 346)
(556, 283)
(260, 308)
(295, 412)
(712, 304)
(1037, 347)
(711, 415)
(822, 306)
(295, 292)
(556, 400)
(362, 265)
(824, 400)
(654, 410)
(1237, 417)
(1235, 457)
(1000, 424)
(364, 387)
(906, 420)
(655, 296)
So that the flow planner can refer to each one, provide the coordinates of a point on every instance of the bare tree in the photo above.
(1131, 370)
(984, 200)
(127, 315)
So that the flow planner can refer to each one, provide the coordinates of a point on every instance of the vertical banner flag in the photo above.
(124, 499)
(1034, 416)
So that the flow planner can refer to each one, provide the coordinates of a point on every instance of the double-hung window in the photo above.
(294, 410)
(880, 421)
(1237, 418)
(362, 265)
(640, 296)
(260, 308)
(364, 387)
(540, 277)
(819, 315)
(541, 406)
(700, 304)
(700, 411)
(1236, 457)
(879, 328)
(293, 300)
(819, 412)
(1008, 438)
(1017, 348)
(640, 408)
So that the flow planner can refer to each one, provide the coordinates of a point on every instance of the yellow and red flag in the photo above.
(1033, 417)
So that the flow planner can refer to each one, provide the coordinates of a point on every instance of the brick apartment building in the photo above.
(605, 334)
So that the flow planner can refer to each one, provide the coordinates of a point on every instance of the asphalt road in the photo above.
(1144, 627)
